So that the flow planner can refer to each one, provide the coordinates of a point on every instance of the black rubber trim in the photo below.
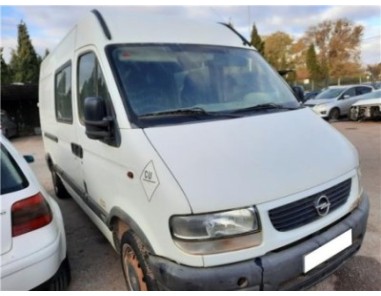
(244, 40)
(102, 22)
(51, 137)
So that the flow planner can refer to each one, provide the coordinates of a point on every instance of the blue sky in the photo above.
(47, 25)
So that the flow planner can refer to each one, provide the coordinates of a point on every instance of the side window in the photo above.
(351, 92)
(62, 94)
(91, 82)
(362, 90)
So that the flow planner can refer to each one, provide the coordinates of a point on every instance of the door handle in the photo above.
(77, 150)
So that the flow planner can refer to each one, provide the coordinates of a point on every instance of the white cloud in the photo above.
(49, 24)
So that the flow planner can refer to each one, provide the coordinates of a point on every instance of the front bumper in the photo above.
(277, 270)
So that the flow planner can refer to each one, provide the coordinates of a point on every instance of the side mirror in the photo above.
(98, 124)
(346, 97)
(298, 93)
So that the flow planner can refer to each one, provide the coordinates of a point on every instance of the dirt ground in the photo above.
(96, 267)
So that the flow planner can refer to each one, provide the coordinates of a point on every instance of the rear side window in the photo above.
(12, 178)
(62, 92)
(363, 90)
(91, 82)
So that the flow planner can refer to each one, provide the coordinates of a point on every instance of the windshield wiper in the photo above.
(267, 106)
(195, 111)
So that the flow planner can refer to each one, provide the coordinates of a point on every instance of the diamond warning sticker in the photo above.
(149, 180)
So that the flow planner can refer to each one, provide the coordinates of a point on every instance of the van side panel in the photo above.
(58, 136)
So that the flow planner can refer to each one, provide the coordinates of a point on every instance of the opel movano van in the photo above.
(193, 157)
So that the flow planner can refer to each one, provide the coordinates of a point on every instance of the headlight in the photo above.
(321, 107)
(216, 232)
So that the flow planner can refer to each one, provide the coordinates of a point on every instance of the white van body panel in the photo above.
(241, 164)
(108, 184)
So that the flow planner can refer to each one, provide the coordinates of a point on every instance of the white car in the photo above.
(33, 243)
(368, 107)
(335, 101)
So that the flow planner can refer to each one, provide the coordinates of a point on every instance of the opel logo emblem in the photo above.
(322, 205)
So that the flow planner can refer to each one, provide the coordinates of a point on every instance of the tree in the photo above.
(338, 46)
(278, 50)
(375, 71)
(313, 66)
(256, 41)
(6, 74)
(25, 63)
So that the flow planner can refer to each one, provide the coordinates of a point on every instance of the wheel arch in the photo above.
(119, 218)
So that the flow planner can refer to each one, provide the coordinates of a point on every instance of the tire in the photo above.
(334, 114)
(60, 281)
(59, 188)
(137, 272)
(62, 278)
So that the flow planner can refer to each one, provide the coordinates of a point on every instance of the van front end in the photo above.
(271, 208)
(279, 269)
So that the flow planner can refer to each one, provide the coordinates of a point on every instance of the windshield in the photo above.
(158, 80)
(331, 93)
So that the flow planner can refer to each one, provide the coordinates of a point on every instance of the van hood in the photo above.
(226, 164)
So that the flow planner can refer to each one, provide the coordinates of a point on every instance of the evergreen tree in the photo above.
(313, 66)
(6, 74)
(25, 63)
(256, 41)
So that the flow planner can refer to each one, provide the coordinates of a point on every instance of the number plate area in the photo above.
(327, 251)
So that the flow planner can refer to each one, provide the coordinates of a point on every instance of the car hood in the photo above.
(318, 101)
(226, 164)
(368, 102)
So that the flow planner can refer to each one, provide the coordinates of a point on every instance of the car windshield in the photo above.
(170, 80)
(12, 178)
(330, 93)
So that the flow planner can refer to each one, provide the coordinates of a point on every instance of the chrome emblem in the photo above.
(322, 205)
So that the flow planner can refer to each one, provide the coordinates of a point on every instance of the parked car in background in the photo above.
(8, 126)
(375, 84)
(368, 106)
(336, 101)
(311, 95)
(33, 243)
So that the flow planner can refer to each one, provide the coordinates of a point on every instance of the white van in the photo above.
(194, 158)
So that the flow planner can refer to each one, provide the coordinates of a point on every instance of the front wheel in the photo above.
(137, 272)
(334, 114)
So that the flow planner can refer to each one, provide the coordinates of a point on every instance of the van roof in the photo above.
(137, 28)
(112, 26)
